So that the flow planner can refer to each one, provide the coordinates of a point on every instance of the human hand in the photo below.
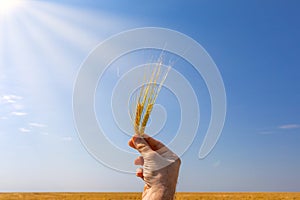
(160, 167)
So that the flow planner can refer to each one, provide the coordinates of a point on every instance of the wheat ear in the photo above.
(147, 96)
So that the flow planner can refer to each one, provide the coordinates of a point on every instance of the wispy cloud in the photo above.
(289, 126)
(12, 105)
(38, 125)
(19, 113)
(10, 98)
(279, 129)
(24, 130)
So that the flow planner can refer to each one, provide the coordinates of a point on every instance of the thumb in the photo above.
(141, 145)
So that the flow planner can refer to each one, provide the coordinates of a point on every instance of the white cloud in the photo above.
(289, 126)
(24, 130)
(279, 129)
(38, 125)
(10, 98)
(18, 113)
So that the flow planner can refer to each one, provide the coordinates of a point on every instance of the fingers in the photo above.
(147, 144)
(139, 173)
(130, 143)
(154, 144)
(139, 161)
(140, 144)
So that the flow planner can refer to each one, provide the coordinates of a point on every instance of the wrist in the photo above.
(160, 192)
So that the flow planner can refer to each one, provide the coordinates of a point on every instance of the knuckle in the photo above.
(141, 147)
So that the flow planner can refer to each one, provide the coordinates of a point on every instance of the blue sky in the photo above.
(255, 45)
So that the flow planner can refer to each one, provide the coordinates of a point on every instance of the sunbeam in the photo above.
(56, 33)
(42, 45)
(8, 6)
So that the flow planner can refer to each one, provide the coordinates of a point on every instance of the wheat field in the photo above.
(135, 196)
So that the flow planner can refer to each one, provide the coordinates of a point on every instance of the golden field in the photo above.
(133, 196)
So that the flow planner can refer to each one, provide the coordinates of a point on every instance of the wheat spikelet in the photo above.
(147, 96)
(139, 110)
(146, 117)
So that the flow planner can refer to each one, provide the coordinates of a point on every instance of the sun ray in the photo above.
(55, 33)
(9, 6)
(71, 24)
(58, 66)
(70, 35)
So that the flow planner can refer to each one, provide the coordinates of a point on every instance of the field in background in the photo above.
(133, 196)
